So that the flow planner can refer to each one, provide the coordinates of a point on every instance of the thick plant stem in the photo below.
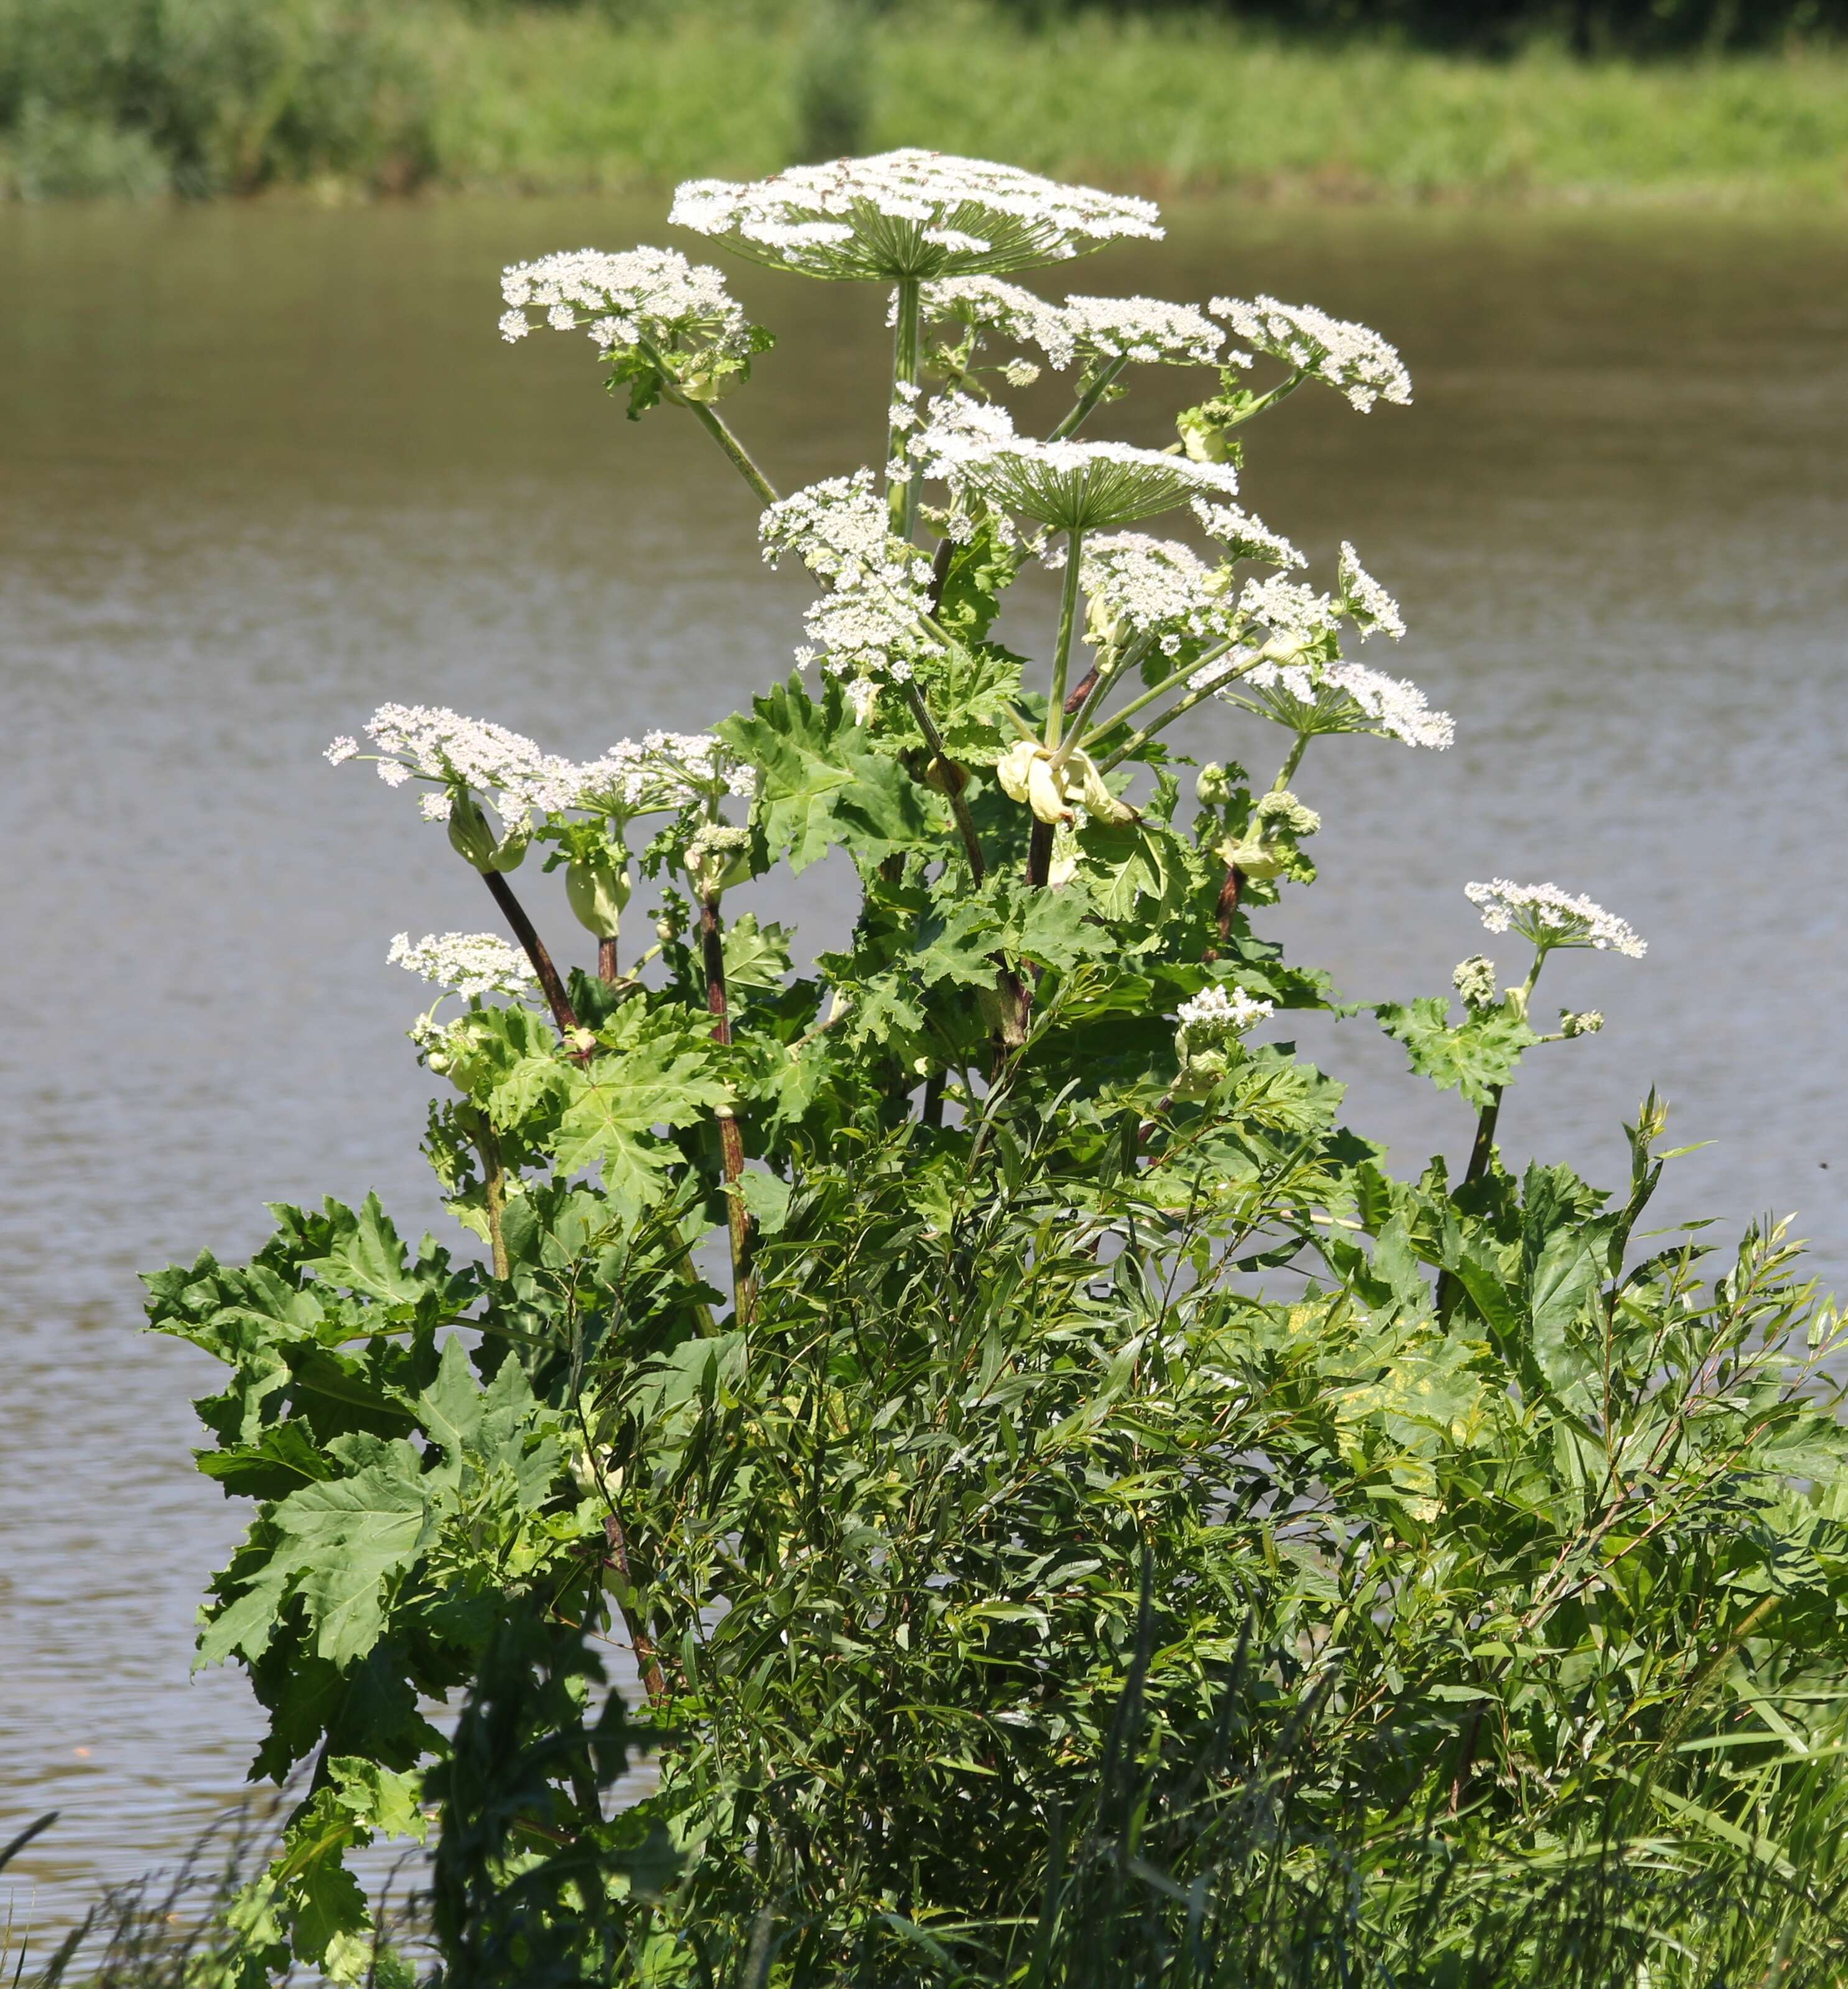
(514, 912)
(904, 484)
(740, 457)
(494, 1194)
(1039, 854)
(954, 781)
(1088, 400)
(607, 971)
(731, 1141)
(648, 1661)
(1287, 773)
(1482, 1150)
(1068, 620)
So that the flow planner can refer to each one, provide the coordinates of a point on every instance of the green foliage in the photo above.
(1075, 1516)
(133, 97)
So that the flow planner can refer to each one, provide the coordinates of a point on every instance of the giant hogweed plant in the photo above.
(908, 1357)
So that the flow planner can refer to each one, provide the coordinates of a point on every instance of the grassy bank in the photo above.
(246, 94)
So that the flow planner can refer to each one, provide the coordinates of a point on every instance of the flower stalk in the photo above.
(731, 1140)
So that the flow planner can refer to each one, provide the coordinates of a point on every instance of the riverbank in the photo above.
(377, 98)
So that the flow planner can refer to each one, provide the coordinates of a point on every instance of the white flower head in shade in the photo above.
(987, 304)
(651, 294)
(1550, 917)
(1070, 485)
(1367, 605)
(909, 215)
(1350, 358)
(470, 964)
(1144, 329)
(432, 743)
(1244, 537)
(1139, 586)
(658, 773)
(1345, 697)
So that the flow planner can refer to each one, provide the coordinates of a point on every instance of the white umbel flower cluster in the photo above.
(1244, 537)
(839, 528)
(869, 623)
(986, 304)
(1144, 329)
(1348, 357)
(1550, 917)
(1298, 617)
(1070, 485)
(470, 964)
(1137, 585)
(909, 215)
(1346, 697)
(432, 743)
(654, 294)
(1214, 1011)
(659, 772)
(1368, 604)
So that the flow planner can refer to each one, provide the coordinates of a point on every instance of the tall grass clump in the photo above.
(1070, 1512)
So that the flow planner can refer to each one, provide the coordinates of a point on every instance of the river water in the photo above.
(262, 468)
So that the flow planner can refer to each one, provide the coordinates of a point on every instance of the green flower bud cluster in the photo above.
(1474, 980)
(1586, 1023)
(1267, 848)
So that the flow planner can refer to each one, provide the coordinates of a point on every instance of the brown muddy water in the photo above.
(261, 469)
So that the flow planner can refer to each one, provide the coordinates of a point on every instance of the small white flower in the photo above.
(1353, 360)
(1244, 537)
(657, 773)
(1214, 1009)
(470, 964)
(1369, 605)
(1550, 917)
(654, 294)
(908, 214)
(341, 751)
(1071, 486)
(1143, 586)
(1144, 329)
(432, 743)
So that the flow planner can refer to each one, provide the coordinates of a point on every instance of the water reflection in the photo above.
(263, 468)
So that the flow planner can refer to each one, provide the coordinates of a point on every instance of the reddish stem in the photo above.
(731, 1140)
(1227, 908)
(647, 1660)
(514, 912)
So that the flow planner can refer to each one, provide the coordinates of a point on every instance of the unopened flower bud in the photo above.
(717, 858)
(1586, 1023)
(471, 837)
(597, 889)
(1213, 784)
(1474, 980)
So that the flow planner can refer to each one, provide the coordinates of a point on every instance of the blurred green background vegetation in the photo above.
(1732, 100)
